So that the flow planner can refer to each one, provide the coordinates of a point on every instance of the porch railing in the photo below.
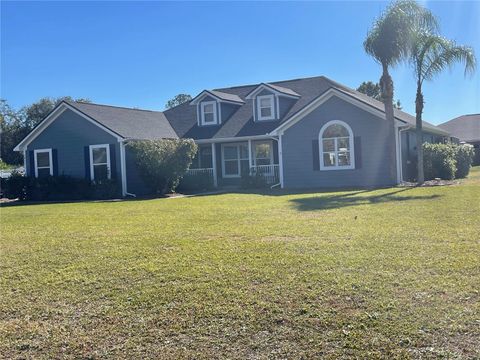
(202, 171)
(271, 173)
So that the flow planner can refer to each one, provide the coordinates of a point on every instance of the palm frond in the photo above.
(391, 37)
(433, 54)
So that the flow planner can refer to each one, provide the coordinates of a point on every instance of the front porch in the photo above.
(226, 163)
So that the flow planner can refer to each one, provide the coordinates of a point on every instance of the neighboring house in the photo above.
(466, 128)
(301, 133)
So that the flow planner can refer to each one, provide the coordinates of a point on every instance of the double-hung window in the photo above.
(100, 162)
(43, 163)
(265, 107)
(336, 146)
(234, 159)
(209, 112)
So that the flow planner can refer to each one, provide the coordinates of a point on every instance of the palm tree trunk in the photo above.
(419, 134)
(386, 84)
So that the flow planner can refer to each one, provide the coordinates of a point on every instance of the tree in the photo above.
(16, 124)
(430, 55)
(388, 42)
(177, 100)
(162, 163)
(37, 111)
(373, 90)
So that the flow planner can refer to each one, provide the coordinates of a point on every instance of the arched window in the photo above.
(336, 146)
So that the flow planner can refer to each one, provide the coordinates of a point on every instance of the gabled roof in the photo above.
(220, 96)
(122, 123)
(465, 127)
(274, 88)
(127, 122)
(183, 117)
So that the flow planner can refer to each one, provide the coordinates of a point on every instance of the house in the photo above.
(302, 133)
(466, 128)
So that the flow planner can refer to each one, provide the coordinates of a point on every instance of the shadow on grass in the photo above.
(336, 201)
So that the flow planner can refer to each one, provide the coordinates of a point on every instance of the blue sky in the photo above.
(140, 54)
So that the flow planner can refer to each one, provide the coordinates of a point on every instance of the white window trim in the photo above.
(239, 160)
(100, 146)
(50, 159)
(202, 113)
(272, 107)
(255, 151)
(351, 144)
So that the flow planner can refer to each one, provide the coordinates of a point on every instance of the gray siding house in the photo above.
(301, 133)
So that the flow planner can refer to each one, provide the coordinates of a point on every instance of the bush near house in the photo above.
(195, 183)
(57, 188)
(439, 161)
(447, 161)
(255, 180)
(162, 163)
(464, 155)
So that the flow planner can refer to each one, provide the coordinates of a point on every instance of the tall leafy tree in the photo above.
(373, 90)
(177, 100)
(16, 124)
(389, 43)
(430, 55)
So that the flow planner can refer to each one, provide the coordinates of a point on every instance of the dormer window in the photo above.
(209, 112)
(265, 107)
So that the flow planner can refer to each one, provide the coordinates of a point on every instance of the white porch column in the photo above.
(280, 159)
(250, 160)
(214, 164)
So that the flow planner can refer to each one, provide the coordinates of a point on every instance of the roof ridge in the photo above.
(270, 82)
(112, 106)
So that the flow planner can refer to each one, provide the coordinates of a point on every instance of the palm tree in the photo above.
(430, 55)
(389, 43)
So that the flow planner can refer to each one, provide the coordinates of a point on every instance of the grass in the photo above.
(390, 273)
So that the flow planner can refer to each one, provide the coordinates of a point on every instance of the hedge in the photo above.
(57, 188)
(447, 161)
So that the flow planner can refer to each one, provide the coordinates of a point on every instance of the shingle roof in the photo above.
(128, 123)
(226, 96)
(184, 121)
(465, 127)
(283, 90)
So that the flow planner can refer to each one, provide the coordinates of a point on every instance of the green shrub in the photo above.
(464, 157)
(195, 183)
(439, 161)
(162, 163)
(16, 186)
(254, 180)
(4, 165)
(57, 188)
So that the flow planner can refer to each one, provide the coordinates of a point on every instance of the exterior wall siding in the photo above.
(135, 184)
(69, 134)
(372, 131)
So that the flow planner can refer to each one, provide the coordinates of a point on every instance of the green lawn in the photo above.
(391, 273)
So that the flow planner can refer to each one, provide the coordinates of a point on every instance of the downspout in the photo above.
(124, 171)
